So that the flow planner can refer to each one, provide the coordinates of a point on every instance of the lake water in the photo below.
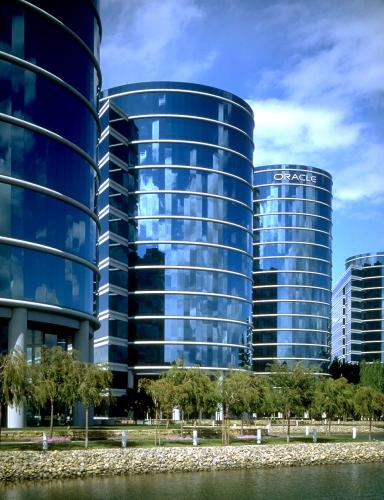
(315, 482)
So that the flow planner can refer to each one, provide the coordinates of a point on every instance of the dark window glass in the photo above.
(45, 278)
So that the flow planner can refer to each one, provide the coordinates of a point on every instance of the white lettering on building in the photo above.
(288, 176)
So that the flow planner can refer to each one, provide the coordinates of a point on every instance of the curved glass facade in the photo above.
(358, 310)
(176, 226)
(291, 266)
(49, 85)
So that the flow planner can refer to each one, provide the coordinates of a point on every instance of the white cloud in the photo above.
(150, 40)
(330, 90)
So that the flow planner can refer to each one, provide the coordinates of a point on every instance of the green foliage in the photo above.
(15, 378)
(368, 402)
(291, 390)
(372, 375)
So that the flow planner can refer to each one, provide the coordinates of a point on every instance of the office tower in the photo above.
(291, 266)
(358, 310)
(49, 78)
(175, 208)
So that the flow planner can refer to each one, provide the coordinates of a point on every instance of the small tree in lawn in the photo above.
(291, 390)
(52, 380)
(368, 403)
(238, 396)
(93, 388)
(200, 392)
(334, 397)
(15, 379)
(162, 394)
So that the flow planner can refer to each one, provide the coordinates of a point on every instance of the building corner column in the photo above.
(17, 333)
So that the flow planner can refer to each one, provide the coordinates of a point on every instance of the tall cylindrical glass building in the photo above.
(358, 310)
(49, 79)
(291, 266)
(186, 225)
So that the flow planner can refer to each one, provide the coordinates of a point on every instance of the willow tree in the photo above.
(335, 398)
(53, 380)
(14, 379)
(292, 390)
(368, 403)
(93, 388)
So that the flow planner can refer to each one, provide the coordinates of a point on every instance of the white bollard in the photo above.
(123, 439)
(194, 438)
(306, 430)
(268, 427)
(297, 423)
(258, 436)
(354, 432)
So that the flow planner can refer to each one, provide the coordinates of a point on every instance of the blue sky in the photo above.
(313, 72)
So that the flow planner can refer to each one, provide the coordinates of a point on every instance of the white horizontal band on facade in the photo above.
(109, 235)
(190, 217)
(327, 247)
(278, 330)
(287, 344)
(70, 32)
(256, 287)
(292, 184)
(366, 310)
(192, 117)
(188, 243)
(289, 315)
(64, 311)
(191, 318)
(191, 193)
(197, 143)
(364, 278)
(295, 271)
(365, 257)
(273, 301)
(294, 199)
(371, 288)
(38, 247)
(191, 268)
(113, 290)
(110, 314)
(190, 167)
(117, 265)
(109, 210)
(290, 257)
(47, 74)
(49, 192)
(291, 167)
(290, 358)
(189, 292)
(293, 213)
(152, 368)
(109, 340)
(184, 342)
(52, 135)
(298, 228)
(179, 91)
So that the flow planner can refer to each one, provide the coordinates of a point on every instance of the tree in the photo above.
(368, 402)
(93, 388)
(372, 375)
(15, 379)
(291, 390)
(53, 380)
(334, 397)
(240, 393)
(198, 392)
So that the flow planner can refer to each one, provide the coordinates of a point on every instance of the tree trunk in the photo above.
(329, 426)
(370, 428)
(51, 421)
(86, 426)
(1, 418)
(181, 421)
(288, 426)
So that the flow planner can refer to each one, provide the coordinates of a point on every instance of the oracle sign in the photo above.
(295, 177)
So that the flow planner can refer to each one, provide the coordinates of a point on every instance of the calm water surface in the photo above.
(316, 482)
